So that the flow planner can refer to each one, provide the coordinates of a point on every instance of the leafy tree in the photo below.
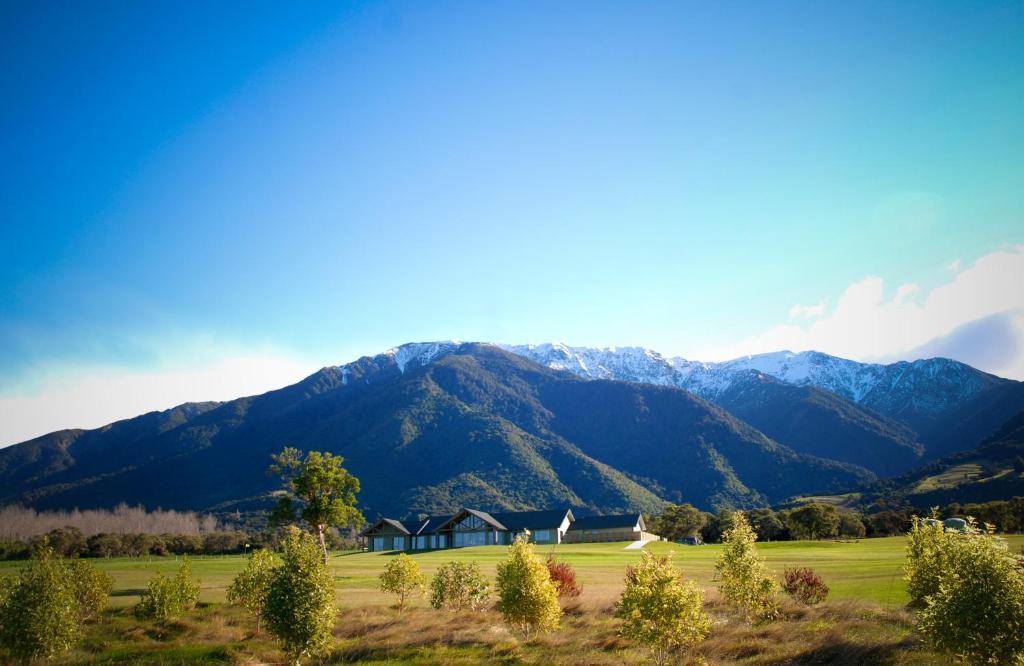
(39, 617)
(169, 598)
(850, 525)
(459, 586)
(402, 576)
(677, 522)
(745, 580)
(91, 587)
(322, 491)
(977, 612)
(804, 585)
(250, 586)
(300, 599)
(813, 521)
(766, 524)
(527, 598)
(659, 609)
(716, 526)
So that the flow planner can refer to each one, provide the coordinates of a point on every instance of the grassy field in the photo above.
(863, 621)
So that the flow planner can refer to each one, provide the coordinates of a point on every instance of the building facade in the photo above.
(472, 527)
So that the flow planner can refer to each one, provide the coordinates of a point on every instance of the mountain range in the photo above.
(430, 427)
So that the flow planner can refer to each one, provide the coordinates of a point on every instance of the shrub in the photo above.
(300, 599)
(659, 610)
(38, 614)
(527, 598)
(977, 612)
(249, 588)
(850, 525)
(745, 581)
(169, 598)
(105, 545)
(91, 587)
(564, 578)
(459, 586)
(402, 577)
(927, 559)
(804, 585)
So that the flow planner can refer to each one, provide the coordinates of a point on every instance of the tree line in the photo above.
(18, 523)
(817, 520)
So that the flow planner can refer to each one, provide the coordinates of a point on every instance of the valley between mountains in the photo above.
(431, 427)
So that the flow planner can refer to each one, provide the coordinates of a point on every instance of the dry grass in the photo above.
(843, 632)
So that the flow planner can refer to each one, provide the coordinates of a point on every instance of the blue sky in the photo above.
(190, 191)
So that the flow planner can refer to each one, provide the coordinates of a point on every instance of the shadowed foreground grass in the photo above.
(863, 622)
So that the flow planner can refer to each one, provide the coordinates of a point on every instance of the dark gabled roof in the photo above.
(402, 526)
(431, 524)
(532, 520)
(482, 515)
(606, 522)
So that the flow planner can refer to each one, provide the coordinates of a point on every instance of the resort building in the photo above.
(471, 527)
(596, 529)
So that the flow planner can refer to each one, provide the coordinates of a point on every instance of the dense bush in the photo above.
(402, 577)
(91, 587)
(527, 598)
(168, 598)
(851, 525)
(300, 598)
(459, 586)
(564, 578)
(250, 586)
(745, 581)
(804, 585)
(39, 617)
(659, 610)
(927, 559)
(976, 610)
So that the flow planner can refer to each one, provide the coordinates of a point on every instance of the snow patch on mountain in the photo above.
(420, 353)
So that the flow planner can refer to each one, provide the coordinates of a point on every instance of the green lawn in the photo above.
(867, 570)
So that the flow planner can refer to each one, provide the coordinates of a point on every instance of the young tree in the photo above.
(677, 522)
(459, 586)
(745, 580)
(91, 587)
(527, 598)
(39, 617)
(300, 598)
(320, 488)
(977, 612)
(659, 609)
(402, 576)
(926, 559)
(249, 588)
(813, 521)
(169, 598)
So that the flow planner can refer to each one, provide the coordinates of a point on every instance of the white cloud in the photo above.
(92, 397)
(807, 311)
(865, 325)
(954, 265)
